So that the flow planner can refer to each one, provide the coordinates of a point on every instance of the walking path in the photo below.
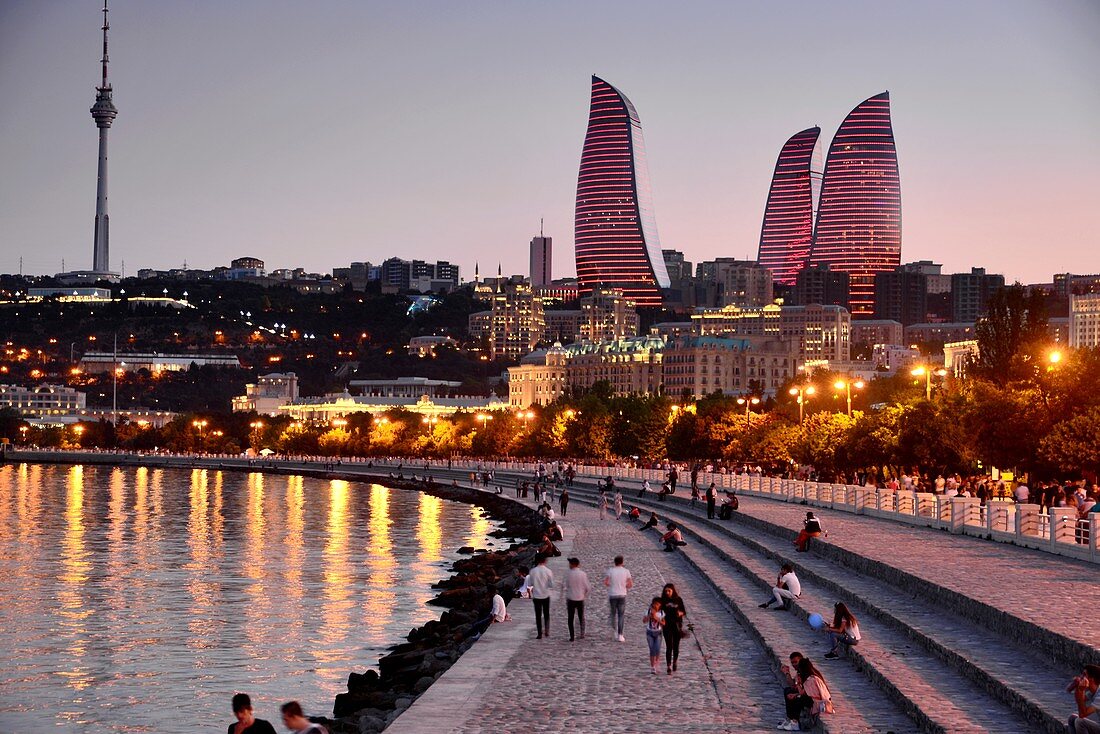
(725, 680)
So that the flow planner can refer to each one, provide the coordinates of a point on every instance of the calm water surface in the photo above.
(140, 600)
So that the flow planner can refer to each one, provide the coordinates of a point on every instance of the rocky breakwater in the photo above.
(376, 698)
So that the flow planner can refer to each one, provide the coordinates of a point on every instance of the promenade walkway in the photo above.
(511, 681)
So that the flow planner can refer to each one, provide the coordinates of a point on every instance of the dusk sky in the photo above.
(317, 133)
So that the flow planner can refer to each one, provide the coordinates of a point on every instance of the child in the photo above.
(654, 624)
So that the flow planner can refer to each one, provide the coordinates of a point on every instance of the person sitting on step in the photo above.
(673, 538)
(811, 528)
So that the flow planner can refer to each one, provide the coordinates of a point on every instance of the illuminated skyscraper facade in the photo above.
(615, 231)
(858, 228)
(788, 227)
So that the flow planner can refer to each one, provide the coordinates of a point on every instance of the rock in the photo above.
(423, 683)
(465, 550)
(402, 703)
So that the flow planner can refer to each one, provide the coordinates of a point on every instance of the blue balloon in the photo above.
(816, 621)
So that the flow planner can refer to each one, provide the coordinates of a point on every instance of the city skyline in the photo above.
(207, 164)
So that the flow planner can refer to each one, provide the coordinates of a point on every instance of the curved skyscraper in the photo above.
(788, 227)
(615, 231)
(858, 229)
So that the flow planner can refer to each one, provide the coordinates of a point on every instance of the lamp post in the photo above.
(927, 372)
(802, 391)
(748, 403)
(339, 422)
(200, 425)
(430, 421)
(483, 418)
(846, 386)
(525, 416)
(23, 432)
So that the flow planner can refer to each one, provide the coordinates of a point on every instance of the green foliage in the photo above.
(1073, 446)
(1014, 324)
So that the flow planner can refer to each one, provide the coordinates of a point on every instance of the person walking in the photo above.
(246, 722)
(541, 580)
(618, 582)
(712, 500)
(654, 625)
(844, 631)
(673, 607)
(618, 505)
(786, 589)
(577, 589)
(601, 505)
(563, 501)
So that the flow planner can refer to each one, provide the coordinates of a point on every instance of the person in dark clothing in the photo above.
(712, 499)
(672, 476)
(792, 696)
(563, 501)
(673, 607)
(246, 722)
(651, 522)
(811, 528)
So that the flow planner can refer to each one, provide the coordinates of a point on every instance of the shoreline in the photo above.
(375, 698)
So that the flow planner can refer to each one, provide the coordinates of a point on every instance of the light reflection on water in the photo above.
(140, 600)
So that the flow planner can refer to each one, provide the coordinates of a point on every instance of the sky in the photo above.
(314, 134)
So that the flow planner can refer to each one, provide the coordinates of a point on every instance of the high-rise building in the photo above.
(607, 314)
(736, 282)
(970, 293)
(1084, 319)
(516, 322)
(858, 228)
(542, 255)
(901, 295)
(820, 284)
(615, 231)
(788, 227)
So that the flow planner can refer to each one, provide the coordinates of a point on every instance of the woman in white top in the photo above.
(844, 630)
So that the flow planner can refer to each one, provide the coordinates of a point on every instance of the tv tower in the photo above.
(104, 113)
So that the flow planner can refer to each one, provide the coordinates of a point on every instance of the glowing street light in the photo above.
(525, 416)
(846, 386)
(802, 391)
(339, 422)
(748, 403)
(200, 424)
(927, 372)
(483, 418)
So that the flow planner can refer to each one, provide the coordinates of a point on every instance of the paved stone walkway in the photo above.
(724, 682)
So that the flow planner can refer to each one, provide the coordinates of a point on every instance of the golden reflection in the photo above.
(7, 496)
(255, 528)
(157, 494)
(141, 516)
(381, 567)
(74, 574)
(30, 518)
(114, 580)
(480, 526)
(337, 581)
(294, 542)
(201, 584)
(429, 534)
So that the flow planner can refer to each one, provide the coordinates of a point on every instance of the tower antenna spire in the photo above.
(106, 27)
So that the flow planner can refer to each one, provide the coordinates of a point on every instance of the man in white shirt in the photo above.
(618, 582)
(1022, 493)
(541, 580)
(499, 612)
(786, 589)
(576, 591)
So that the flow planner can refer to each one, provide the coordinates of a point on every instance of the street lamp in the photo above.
(525, 416)
(802, 391)
(927, 372)
(846, 386)
(482, 418)
(339, 422)
(200, 424)
(23, 431)
(748, 403)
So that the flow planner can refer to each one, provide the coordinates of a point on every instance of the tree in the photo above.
(821, 436)
(1073, 446)
(930, 437)
(1014, 323)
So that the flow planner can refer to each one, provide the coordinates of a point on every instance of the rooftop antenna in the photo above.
(540, 227)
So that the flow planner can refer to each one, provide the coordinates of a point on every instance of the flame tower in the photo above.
(615, 232)
(788, 227)
(858, 228)
(104, 113)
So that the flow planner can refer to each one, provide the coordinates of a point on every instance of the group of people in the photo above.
(664, 620)
(293, 718)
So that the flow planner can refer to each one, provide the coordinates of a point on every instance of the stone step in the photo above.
(934, 694)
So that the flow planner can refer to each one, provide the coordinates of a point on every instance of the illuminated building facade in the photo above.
(858, 228)
(615, 231)
(788, 227)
